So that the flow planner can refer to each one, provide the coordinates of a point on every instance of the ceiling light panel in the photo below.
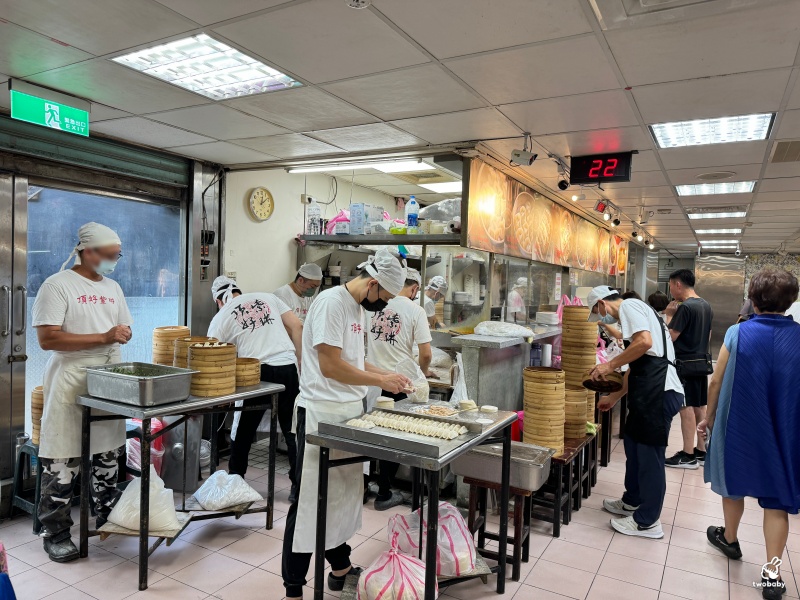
(403, 166)
(704, 189)
(720, 247)
(716, 231)
(720, 215)
(717, 242)
(723, 130)
(206, 66)
(443, 188)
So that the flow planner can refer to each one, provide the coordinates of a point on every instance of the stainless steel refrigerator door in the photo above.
(720, 280)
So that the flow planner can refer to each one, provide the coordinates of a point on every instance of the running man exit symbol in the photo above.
(51, 115)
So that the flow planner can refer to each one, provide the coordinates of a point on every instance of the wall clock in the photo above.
(262, 204)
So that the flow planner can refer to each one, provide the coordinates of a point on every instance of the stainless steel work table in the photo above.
(498, 432)
(188, 408)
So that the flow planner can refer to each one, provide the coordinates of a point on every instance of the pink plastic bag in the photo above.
(455, 547)
(343, 216)
(133, 448)
(393, 576)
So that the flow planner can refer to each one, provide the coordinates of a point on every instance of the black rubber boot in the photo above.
(60, 548)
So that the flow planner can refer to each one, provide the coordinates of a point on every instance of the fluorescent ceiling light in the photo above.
(404, 166)
(716, 231)
(722, 130)
(704, 189)
(717, 242)
(720, 247)
(443, 188)
(206, 66)
(719, 215)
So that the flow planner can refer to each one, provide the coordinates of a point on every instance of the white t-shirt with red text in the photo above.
(394, 331)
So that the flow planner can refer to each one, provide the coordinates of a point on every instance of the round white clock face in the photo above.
(262, 205)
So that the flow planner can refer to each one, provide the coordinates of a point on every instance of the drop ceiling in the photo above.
(405, 75)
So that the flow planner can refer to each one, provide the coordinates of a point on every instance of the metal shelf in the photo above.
(433, 239)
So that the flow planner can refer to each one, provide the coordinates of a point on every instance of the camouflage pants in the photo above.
(58, 488)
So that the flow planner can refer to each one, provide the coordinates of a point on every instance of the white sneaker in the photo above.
(627, 526)
(618, 507)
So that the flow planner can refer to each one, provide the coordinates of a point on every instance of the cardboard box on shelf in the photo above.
(362, 216)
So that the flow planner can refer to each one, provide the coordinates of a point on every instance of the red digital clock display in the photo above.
(600, 168)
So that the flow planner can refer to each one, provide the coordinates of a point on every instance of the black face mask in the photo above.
(374, 305)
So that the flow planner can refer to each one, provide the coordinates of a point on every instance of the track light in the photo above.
(650, 244)
(639, 237)
(524, 157)
(634, 234)
(616, 221)
(606, 216)
(576, 197)
(563, 184)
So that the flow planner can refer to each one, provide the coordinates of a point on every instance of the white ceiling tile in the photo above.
(640, 179)
(291, 145)
(218, 121)
(790, 125)
(780, 184)
(302, 109)
(100, 112)
(689, 176)
(761, 38)
(645, 192)
(599, 141)
(542, 168)
(714, 155)
(448, 28)
(789, 169)
(324, 41)
(372, 180)
(400, 190)
(600, 110)
(118, 87)
(729, 95)
(97, 27)
(481, 123)
(645, 161)
(207, 12)
(23, 52)
(561, 68)
(777, 197)
(148, 133)
(794, 99)
(418, 91)
(223, 153)
(378, 136)
(5, 95)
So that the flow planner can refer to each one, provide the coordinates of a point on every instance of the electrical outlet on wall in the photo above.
(306, 199)
(231, 274)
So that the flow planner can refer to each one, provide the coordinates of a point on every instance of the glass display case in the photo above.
(521, 288)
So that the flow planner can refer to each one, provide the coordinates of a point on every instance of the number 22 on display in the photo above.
(608, 171)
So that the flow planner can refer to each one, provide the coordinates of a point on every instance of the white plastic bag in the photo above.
(455, 546)
(439, 359)
(500, 329)
(422, 389)
(222, 490)
(460, 385)
(393, 576)
(162, 506)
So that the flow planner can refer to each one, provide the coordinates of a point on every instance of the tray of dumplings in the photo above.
(406, 429)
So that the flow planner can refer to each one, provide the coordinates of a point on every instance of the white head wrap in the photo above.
(226, 286)
(437, 284)
(521, 282)
(310, 271)
(92, 235)
(387, 269)
(413, 274)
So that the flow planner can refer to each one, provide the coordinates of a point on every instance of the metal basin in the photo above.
(165, 385)
(530, 465)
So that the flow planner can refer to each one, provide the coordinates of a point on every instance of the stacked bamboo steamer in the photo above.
(248, 372)
(215, 364)
(575, 412)
(164, 343)
(544, 419)
(578, 344)
(590, 406)
(37, 406)
(180, 351)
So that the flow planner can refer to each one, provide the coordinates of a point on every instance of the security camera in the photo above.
(563, 184)
(523, 157)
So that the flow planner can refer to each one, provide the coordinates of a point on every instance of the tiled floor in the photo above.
(240, 560)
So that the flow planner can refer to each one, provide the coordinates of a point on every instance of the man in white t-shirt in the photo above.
(81, 316)
(299, 294)
(655, 395)
(263, 327)
(434, 292)
(333, 385)
(392, 335)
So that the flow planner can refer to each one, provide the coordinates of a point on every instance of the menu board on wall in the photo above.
(507, 217)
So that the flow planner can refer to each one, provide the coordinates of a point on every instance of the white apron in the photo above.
(345, 484)
(64, 381)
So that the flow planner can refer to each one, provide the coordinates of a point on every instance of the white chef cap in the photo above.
(521, 282)
(224, 286)
(437, 284)
(92, 235)
(387, 269)
(413, 274)
(310, 271)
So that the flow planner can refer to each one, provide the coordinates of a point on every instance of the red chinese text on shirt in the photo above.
(91, 299)
(355, 328)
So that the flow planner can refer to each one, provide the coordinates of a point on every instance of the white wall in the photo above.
(263, 255)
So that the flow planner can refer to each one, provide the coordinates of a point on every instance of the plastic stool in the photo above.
(18, 500)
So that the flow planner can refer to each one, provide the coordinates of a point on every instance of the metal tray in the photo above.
(171, 385)
(530, 465)
(397, 440)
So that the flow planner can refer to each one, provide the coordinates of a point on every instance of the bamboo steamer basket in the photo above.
(164, 343)
(248, 372)
(542, 375)
(216, 369)
(37, 406)
(590, 406)
(180, 349)
(575, 314)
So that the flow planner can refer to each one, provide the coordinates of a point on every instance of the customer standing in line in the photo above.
(753, 423)
(659, 301)
(654, 394)
(689, 318)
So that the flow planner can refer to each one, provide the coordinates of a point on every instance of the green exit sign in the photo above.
(49, 113)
